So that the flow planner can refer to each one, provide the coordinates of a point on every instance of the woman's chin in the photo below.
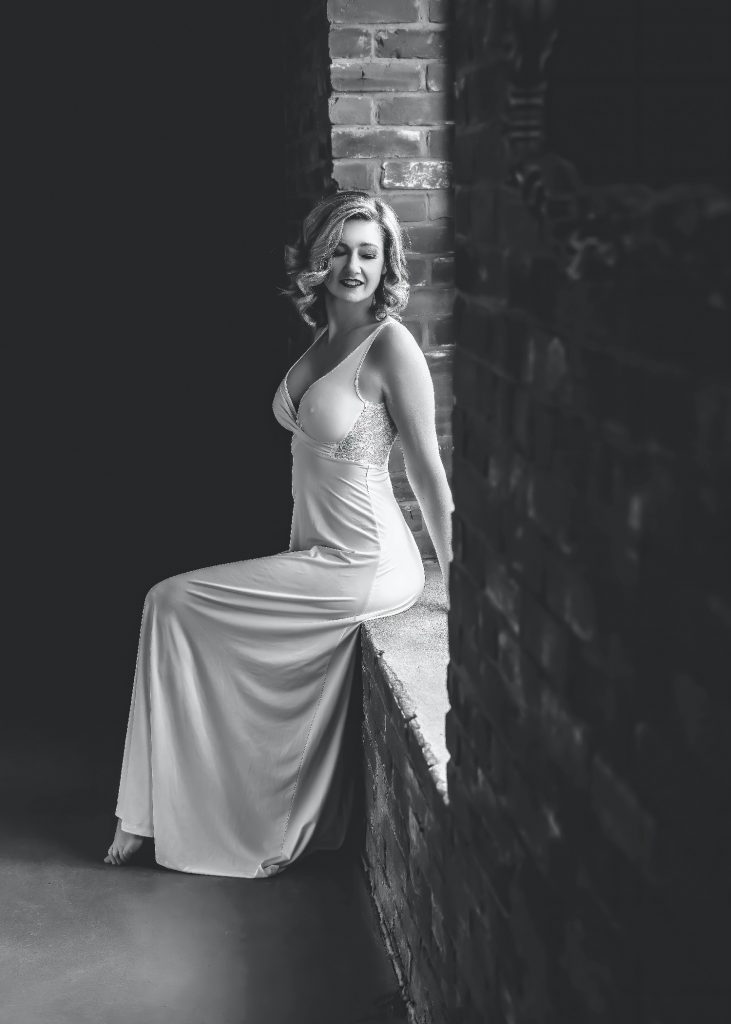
(352, 297)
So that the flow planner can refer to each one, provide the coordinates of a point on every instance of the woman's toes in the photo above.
(112, 856)
(124, 846)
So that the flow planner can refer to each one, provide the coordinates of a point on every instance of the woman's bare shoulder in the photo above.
(396, 348)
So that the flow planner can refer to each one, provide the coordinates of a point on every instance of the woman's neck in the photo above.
(342, 318)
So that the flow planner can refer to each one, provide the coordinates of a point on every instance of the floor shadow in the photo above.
(87, 942)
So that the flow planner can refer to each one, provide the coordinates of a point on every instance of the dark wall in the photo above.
(307, 150)
(155, 342)
(590, 608)
(639, 90)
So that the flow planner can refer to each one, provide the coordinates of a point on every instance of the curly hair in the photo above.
(308, 262)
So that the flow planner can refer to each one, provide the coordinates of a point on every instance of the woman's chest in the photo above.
(343, 371)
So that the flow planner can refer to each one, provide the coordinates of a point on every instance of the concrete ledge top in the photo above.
(413, 646)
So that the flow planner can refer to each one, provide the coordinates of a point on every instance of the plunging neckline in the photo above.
(317, 380)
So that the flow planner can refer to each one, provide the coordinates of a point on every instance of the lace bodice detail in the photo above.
(371, 437)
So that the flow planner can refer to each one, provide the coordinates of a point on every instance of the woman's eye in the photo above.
(369, 255)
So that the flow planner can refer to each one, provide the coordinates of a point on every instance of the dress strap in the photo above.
(367, 343)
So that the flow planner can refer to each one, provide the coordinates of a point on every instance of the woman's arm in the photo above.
(409, 394)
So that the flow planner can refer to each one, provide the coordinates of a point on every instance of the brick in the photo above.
(352, 143)
(412, 514)
(439, 362)
(380, 12)
(409, 207)
(351, 109)
(547, 639)
(428, 302)
(350, 42)
(504, 593)
(567, 739)
(353, 174)
(440, 10)
(443, 271)
(621, 816)
(427, 108)
(438, 78)
(441, 204)
(371, 77)
(416, 174)
(411, 42)
(511, 666)
(570, 597)
(440, 332)
(418, 276)
(440, 142)
(434, 237)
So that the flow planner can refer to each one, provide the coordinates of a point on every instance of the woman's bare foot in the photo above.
(124, 845)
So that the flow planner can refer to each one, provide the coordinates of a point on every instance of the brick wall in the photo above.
(578, 870)
(406, 828)
(638, 97)
(590, 623)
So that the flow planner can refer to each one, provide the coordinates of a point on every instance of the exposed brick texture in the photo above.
(406, 827)
(350, 42)
(431, 108)
(369, 76)
(424, 174)
(411, 42)
(590, 621)
(363, 143)
(370, 12)
(351, 110)
(578, 870)
(391, 106)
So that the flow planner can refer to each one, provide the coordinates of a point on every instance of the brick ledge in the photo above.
(412, 650)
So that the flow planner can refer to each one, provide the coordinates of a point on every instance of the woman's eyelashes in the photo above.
(368, 255)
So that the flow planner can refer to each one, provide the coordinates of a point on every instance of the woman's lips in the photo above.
(350, 282)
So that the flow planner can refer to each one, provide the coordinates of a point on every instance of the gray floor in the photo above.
(86, 943)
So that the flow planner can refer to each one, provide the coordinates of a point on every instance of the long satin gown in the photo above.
(233, 753)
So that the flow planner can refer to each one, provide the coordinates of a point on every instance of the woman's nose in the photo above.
(353, 263)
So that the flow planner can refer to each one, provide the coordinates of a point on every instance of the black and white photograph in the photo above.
(368, 391)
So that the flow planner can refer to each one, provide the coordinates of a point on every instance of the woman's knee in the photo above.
(168, 595)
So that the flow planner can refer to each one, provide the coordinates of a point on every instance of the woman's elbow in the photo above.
(426, 476)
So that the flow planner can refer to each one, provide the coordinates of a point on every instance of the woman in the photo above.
(232, 755)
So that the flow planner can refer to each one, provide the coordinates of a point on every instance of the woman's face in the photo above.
(358, 262)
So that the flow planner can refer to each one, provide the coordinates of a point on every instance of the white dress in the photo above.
(233, 754)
